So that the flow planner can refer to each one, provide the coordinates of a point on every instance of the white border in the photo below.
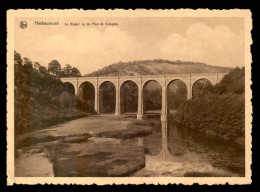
(11, 14)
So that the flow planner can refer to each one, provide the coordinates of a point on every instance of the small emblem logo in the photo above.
(23, 24)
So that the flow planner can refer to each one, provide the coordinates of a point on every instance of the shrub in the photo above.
(221, 110)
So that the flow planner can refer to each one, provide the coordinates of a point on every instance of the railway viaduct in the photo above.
(141, 81)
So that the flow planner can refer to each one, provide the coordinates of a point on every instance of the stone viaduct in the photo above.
(141, 81)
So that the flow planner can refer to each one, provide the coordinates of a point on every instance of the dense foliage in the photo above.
(37, 93)
(54, 68)
(69, 71)
(220, 111)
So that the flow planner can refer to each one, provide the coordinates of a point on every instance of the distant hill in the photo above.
(157, 67)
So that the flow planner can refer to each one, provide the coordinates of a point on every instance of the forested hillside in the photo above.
(219, 111)
(157, 67)
(37, 96)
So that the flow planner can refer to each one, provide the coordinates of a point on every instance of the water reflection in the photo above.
(164, 134)
(164, 155)
(178, 144)
(222, 154)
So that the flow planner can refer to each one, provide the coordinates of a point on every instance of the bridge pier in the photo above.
(164, 154)
(139, 116)
(189, 88)
(163, 117)
(164, 101)
(96, 105)
(117, 109)
(140, 100)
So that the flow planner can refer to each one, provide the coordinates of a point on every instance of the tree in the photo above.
(67, 70)
(233, 82)
(66, 99)
(75, 72)
(54, 67)
(17, 58)
(36, 65)
(43, 70)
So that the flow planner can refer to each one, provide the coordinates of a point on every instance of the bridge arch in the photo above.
(152, 96)
(204, 79)
(106, 81)
(107, 97)
(177, 91)
(127, 80)
(86, 94)
(177, 79)
(69, 87)
(86, 82)
(145, 82)
(129, 96)
(199, 85)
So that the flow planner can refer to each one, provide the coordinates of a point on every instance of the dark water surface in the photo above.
(220, 154)
(186, 145)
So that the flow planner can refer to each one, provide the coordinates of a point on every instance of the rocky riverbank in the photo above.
(73, 148)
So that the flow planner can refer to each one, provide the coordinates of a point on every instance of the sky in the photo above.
(216, 41)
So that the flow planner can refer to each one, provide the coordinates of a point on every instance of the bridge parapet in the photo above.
(204, 75)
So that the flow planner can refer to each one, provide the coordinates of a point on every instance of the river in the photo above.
(185, 153)
(170, 150)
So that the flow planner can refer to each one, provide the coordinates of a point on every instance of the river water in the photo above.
(178, 151)
(169, 151)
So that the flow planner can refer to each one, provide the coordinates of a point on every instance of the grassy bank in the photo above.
(30, 141)
(54, 116)
(42, 117)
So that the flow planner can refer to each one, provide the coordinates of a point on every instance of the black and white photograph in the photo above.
(129, 97)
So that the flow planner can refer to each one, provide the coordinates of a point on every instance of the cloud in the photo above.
(88, 49)
(217, 46)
